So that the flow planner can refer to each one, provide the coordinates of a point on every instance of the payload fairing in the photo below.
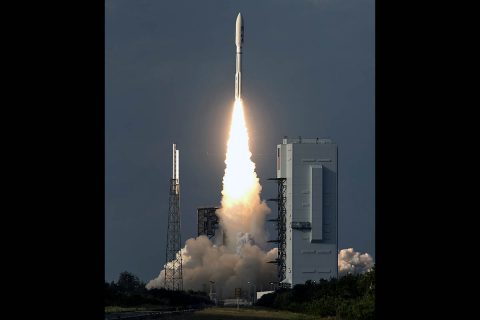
(239, 44)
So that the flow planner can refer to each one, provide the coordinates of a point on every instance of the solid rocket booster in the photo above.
(239, 44)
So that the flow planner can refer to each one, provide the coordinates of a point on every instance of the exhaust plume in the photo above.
(242, 213)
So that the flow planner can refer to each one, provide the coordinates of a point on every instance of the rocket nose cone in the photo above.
(239, 18)
(239, 30)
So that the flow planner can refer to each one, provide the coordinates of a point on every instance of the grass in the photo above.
(247, 314)
(216, 313)
(111, 309)
(145, 307)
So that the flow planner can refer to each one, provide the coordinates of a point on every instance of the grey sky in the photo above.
(308, 70)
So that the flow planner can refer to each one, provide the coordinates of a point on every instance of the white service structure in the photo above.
(310, 169)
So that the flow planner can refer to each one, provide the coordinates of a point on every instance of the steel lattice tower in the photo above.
(281, 227)
(173, 266)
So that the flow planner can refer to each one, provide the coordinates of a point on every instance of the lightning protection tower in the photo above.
(173, 266)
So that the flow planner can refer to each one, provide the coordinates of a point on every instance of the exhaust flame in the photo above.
(243, 213)
(240, 177)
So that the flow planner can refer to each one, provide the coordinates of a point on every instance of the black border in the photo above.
(60, 265)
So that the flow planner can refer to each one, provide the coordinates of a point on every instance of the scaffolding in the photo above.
(281, 226)
(173, 262)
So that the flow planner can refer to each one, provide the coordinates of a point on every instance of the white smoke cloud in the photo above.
(350, 261)
(204, 262)
(244, 221)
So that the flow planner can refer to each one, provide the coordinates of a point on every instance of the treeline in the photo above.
(129, 291)
(351, 297)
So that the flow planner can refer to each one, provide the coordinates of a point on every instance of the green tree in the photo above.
(129, 283)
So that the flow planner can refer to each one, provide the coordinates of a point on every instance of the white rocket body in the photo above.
(239, 44)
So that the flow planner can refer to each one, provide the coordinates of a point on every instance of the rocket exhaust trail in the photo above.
(239, 44)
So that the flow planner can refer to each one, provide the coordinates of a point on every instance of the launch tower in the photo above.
(281, 226)
(173, 263)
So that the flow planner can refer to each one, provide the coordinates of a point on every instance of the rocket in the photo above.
(239, 44)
